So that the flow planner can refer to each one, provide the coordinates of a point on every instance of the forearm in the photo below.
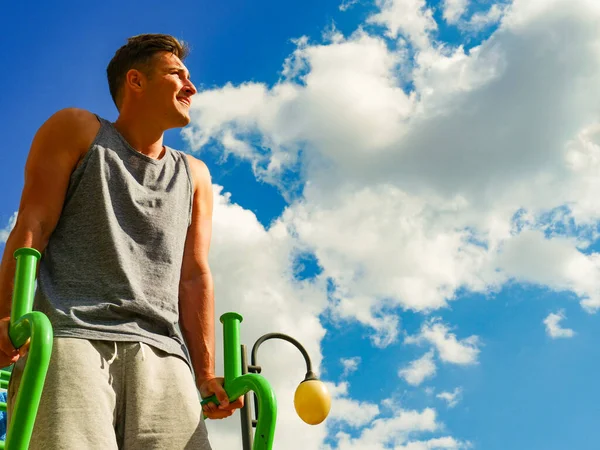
(197, 321)
(23, 235)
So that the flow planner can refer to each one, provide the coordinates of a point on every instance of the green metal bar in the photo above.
(3, 406)
(24, 288)
(3, 384)
(231, 345)
(37, 327)
(267, 406)
(5, 375)
(237, 384)
(24, 325)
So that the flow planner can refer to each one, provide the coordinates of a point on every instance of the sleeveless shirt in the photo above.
(111, 268)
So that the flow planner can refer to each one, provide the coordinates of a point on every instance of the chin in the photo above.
(185, 120)
(180, 120)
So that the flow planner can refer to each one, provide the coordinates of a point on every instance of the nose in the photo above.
(189, 88)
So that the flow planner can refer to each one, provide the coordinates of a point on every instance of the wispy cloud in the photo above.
(451, 398)
(350, 365)
(5, 232)
(443, 443)
(347, 4)
(419, 370)
(553, 328)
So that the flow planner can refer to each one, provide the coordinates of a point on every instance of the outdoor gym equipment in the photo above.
(24, 325)
(312, 401)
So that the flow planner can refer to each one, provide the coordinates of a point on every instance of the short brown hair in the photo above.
(138, 54)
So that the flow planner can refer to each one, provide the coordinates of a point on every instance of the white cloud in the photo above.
(454, 9)
(293, 308)
(408, 18)
(409, 196)
(446, 442)
(350, 365)
(419, 370)
(415, 157)
(556, 263)
(451, 398)
(354, 413)
(450, 349)
(553, 328)
(390, 431)
(483, 19)
(347, 4)
(5, 232)
(397, 432)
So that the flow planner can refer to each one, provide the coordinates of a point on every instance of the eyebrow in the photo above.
(180, 69)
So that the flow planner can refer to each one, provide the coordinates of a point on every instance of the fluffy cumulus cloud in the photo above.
(454, 9)
(553, 327)
(346, 411)
(399, 431)
(253, 273)
(414, 169)
(408, 18)
(419, 370)
(450, 349)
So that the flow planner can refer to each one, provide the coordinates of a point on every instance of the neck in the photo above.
(143, 135)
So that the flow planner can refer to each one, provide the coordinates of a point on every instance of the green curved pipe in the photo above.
(34, 326)
(237, 384)
(24, 325)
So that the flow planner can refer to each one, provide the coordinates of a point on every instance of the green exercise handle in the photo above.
(237, 384)
(35, 326)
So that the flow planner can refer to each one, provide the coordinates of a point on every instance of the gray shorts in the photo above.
(106, 395)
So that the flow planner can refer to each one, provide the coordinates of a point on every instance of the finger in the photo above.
(221, 396)
(219, 414)
(24, 348)
(237, 404)
(209, 407)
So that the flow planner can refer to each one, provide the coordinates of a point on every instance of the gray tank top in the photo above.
(111, 268)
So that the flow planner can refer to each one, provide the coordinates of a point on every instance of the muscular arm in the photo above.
(196, 293)
(55, 150)
(196, 296)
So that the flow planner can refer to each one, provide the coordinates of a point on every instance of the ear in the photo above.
(135, 80)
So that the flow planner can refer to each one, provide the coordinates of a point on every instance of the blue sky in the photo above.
(403, 184)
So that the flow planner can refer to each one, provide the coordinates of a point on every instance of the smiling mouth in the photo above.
(185, 101)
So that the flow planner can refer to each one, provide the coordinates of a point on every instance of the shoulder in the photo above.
(199, 172)
(74, 127)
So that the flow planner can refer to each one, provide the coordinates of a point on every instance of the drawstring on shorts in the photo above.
(114, 356)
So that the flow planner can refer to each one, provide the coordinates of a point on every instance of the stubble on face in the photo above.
(172, 88)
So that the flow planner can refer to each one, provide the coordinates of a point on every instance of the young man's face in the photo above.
(169, 90)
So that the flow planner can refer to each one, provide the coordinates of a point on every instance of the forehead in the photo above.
(166, 60)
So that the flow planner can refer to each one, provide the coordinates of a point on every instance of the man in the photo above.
(124, 224)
